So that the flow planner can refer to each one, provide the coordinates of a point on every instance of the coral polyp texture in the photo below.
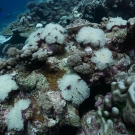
(67, 68)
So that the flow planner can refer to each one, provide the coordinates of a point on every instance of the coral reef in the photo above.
(61, 56)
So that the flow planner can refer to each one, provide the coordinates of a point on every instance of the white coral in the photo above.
(73, 89)
(6, 86)
(102, 58)
(90, 35)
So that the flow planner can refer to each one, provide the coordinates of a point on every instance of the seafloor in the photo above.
(67, 67)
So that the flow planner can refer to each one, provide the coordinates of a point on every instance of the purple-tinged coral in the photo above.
(51, 102)
(88, 50)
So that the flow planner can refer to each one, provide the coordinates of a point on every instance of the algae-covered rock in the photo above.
(32, 81)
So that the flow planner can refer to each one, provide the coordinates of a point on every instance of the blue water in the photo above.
(13, 7)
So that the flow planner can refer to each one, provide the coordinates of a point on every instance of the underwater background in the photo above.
(67, 67)
(13, 7)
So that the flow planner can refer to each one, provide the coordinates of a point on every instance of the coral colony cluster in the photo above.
(67, 73)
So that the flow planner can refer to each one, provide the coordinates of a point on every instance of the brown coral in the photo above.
(52, 77)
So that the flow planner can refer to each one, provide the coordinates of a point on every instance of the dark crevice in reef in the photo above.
(99, 14)
(63, 130)
(16, 38)
(88, 104)
(67, 130)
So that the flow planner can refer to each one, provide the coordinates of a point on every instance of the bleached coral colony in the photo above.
(66, 68)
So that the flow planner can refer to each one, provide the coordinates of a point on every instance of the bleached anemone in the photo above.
(73, 88)
(102, 58)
